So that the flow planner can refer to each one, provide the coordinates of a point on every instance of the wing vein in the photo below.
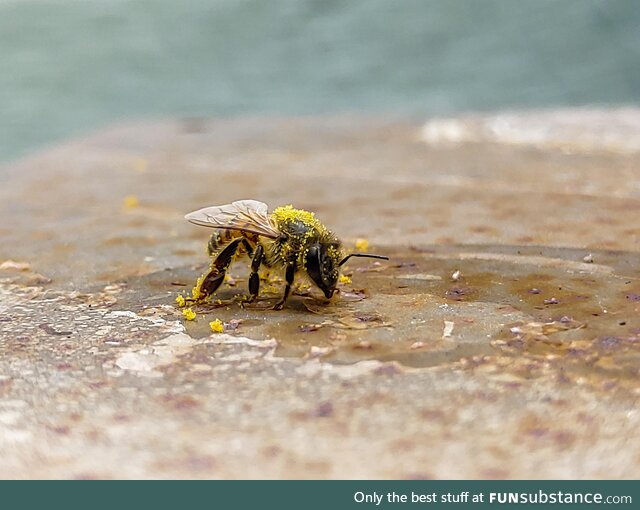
(243, 215)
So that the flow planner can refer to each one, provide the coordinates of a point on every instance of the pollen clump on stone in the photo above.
(217, 326)
(130, 202)
(345, 280)
(196, 293)
(362, 245)
(189, 314)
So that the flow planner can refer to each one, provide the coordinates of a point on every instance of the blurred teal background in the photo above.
(70, 66)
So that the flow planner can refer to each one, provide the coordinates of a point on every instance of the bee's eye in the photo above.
(313, 263)
(321, 268)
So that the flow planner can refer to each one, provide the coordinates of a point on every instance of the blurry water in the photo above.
(69, 66)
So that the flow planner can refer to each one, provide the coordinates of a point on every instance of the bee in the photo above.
(287, 238)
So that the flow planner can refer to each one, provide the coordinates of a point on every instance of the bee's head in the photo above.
(322, 266)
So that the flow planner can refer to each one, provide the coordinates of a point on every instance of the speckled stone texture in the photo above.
(502, 339)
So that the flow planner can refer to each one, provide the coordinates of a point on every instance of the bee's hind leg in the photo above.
(215, 276)
(254, 278)
(290, 272)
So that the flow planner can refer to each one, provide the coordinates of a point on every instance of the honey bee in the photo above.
(287, 238)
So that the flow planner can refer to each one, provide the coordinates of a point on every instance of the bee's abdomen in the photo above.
(221, 238)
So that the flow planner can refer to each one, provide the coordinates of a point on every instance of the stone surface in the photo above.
(501, 340)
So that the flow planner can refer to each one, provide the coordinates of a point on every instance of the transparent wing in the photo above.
(244, 215)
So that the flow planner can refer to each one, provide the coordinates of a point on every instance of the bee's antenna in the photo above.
(362, 255)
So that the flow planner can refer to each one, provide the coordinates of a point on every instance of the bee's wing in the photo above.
(244, 215)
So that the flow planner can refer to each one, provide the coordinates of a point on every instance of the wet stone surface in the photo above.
(501, 339)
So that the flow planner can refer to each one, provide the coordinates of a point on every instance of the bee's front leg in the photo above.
(290, 272)
(254, 278)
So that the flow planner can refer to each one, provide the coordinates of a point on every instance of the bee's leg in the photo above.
(215, 276)
(254, 279)
(291, 270)
(248, 247)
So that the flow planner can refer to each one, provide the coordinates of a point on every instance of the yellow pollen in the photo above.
(362, 245)
(196, 293)
(130, 202)
(287, 214)
(189, 314)
(217, 326)
(344, 279)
